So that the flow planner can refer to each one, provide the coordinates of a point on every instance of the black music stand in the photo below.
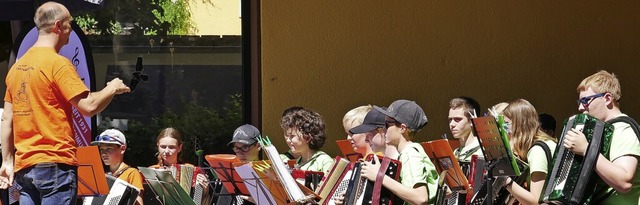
(164, 185)
(91, 177)
(230, 180)
(500, 160)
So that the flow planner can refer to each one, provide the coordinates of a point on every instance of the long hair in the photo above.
(525, 127)
(172, 133)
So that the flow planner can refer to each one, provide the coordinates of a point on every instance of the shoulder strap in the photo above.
(289, 155)
(636, 128)
(119, 172)
(630, 121)
(377, 186)
(546, 149)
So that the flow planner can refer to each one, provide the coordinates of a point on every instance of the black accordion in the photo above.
(572, 179)
(362, 191)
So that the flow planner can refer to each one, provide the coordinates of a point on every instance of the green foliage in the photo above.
(87, 24)
(211, 128)
(116, 28)
(138, 17)
(175, 13)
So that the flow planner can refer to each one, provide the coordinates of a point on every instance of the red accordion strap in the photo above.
(377, 186)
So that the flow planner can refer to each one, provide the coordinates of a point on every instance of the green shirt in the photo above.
(625, 143)
(320, 162)
(417, 170)
(537, 159)
(464, 154)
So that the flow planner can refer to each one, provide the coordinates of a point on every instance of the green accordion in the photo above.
(572, 179)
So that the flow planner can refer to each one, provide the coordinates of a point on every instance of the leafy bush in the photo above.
(210, 128)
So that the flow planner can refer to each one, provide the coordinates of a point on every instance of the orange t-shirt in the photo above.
(39, 87)
(132, 176)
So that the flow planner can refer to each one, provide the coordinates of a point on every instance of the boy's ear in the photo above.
(404, 128)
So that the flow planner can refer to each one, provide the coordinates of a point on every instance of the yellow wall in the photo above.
(334, 55)
(216, 17)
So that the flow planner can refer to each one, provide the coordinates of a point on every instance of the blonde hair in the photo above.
(525, 127)
(603, 82)
(355, 116)
(499, 108)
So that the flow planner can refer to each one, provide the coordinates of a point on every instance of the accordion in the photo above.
(572, 179)
(185, 175)
(337, 181)
(311, 179)
(120, 193)
(334, 181)
(362, 191)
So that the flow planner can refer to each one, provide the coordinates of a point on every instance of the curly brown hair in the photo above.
(309, 123)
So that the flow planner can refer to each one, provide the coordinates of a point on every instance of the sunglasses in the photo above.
(389, 123)
(585, 101)
(244, 148)
(107, 138)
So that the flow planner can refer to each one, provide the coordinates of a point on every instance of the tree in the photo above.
(138, 17)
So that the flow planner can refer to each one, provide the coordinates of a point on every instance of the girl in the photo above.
(523, 131)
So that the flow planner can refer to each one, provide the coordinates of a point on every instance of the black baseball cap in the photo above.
(374, 119)
(406, 112)
(245, 134)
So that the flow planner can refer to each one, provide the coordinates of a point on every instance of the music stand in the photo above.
(164, 185)
(347, 150)
(223, 168)
(499, 157)
(296, 194)
(91, 178)
(259, 191)
(442, 156)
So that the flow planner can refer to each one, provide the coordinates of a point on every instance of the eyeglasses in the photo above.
(244, 148)
(107, 138)
(585, 101)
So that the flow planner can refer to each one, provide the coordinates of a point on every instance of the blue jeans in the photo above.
(48, 183)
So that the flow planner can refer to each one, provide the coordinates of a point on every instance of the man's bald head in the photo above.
(48, 13)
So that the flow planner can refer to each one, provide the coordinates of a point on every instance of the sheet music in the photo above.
(255, 185)
(289, 184)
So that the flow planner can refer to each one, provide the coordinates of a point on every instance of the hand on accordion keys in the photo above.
(202, 180)
(576, 142)
(339, 200)
(369, 170)
(247, 198)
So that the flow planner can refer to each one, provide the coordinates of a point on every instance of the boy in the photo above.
(418, 177)
(112, 145)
